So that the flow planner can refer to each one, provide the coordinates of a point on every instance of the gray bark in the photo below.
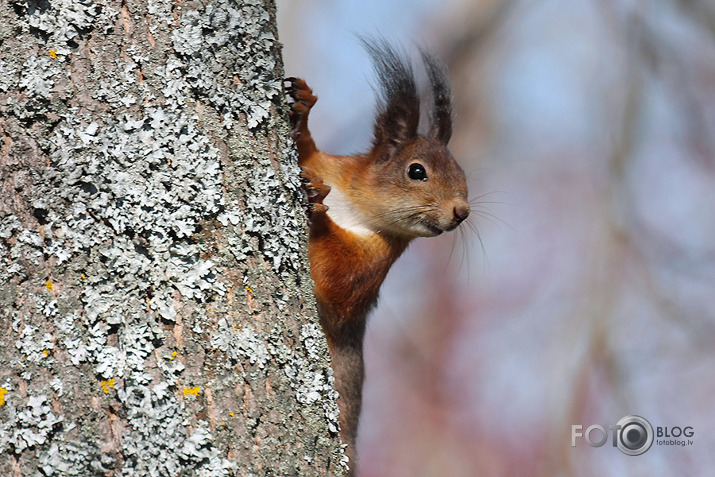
(156, 310)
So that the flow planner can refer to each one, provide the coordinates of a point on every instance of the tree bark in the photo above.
(156, 310)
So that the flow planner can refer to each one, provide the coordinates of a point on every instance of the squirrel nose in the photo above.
(461, 212)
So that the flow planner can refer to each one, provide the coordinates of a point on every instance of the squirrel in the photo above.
(364, 210)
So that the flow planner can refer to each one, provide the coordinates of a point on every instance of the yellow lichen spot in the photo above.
(53, 54)
(192, 391)
(232, 414)
(173, 355)
(3, 392)
(106, 385)
(83, 276)
(248, 289)
(211, 310)
(48, 284)
(46, 352)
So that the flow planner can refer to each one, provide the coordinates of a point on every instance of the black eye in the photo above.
(417, 172)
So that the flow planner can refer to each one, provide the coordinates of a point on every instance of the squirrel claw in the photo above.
(315, 191)
(300, 92)
(303, 99)
(289, 86)
(314, 209)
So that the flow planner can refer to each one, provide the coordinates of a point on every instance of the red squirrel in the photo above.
(365, 209)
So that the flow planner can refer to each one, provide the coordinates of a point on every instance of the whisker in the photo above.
(489, 202)
(484, 250)
(465, 254)
(494, 219)
(471, 225)
(475, 230)
(491, 192)
(474, 201)
(461, 238)
(449, 258)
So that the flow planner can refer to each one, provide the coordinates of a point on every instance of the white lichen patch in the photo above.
(314, 341)
(198, 448)
(313, 383)
(38, 77)
(310, 385)
(58, 386)
(34, 424)
(35, 347)
(157, 444)
(74, 459)
(111, 361)
(8, 76)
(266, 192)
(171, 368)
(81, 351)
(240, 344)
(65, 20)
(226, 34)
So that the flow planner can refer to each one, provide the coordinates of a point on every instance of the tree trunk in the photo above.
(156, 310)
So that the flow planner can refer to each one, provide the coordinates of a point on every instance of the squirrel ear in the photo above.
(394, 127)
(398, 110)
(441, 118)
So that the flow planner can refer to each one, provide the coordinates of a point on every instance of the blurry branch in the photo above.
(648, 52)
(700, 11)
(613, 259)
(477, 33)
(604, 287)
(663, 58)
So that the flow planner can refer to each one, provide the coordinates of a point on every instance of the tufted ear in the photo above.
(398, 109)
(440, 127)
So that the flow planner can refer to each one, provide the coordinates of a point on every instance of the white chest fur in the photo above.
(345, 214)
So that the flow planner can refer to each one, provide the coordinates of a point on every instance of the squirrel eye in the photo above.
(417, 172)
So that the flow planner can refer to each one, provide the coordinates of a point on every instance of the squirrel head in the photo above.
(421, 190)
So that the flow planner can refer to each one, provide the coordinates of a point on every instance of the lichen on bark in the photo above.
(154, 291)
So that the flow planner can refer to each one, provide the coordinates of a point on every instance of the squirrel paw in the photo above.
(303, 98)
(315, 191)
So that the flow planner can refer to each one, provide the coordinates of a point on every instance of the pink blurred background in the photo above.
(587, 129)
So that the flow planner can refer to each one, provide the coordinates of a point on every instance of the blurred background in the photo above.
(584, 290)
